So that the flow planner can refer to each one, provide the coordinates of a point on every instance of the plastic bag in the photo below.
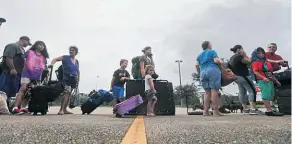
(3, 103)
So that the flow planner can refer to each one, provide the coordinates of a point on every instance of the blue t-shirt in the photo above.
(206, 59)
(69, 69)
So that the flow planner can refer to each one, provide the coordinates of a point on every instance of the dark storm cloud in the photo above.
(247, 22)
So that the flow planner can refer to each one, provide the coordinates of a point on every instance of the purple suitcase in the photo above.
(128, 105)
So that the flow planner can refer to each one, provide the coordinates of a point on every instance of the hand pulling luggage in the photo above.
(96, 98)
(127, 105)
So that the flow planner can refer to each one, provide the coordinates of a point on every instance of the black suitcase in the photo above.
(283, 95)
(38, 102)
(41, 95)
(165, 104)
(284, 77)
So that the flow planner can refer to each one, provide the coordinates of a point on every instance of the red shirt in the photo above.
(258, 66)
(273, 56)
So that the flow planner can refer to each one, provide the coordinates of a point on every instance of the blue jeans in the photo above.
(10, 84)
(211, 78)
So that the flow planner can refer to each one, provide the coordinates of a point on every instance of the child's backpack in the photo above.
(136, 67)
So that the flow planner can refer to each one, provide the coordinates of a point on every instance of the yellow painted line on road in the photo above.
(136, 133)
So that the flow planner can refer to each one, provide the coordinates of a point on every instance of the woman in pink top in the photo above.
(34, 66)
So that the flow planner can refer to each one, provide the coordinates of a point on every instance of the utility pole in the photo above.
(96, 81)
(2, 20)
(178, 62)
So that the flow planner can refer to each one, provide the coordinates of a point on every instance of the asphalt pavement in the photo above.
(102, 127)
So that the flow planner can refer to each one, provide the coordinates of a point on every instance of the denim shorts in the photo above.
(211, 78)
(118, 92)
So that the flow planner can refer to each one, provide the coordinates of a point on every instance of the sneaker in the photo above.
(246, 111)
(259, 112)
(17, 111)
(253, 112)
(25, 110)
(272, 113)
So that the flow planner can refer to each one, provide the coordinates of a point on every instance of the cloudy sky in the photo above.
(108, 30)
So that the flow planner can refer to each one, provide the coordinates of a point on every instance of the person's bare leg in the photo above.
(19, 96)
(65, 100)
(207, 98)
(253, 105)
(153, 103)
(66, 105)
(267, 104)
(24, 103)
(215, 100)
(149, 108)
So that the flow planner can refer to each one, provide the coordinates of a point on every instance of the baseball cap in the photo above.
(26, 38)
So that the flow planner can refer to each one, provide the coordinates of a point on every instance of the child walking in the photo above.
(119, 79)
(150, 91)
(263, 74)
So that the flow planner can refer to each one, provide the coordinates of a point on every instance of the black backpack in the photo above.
(59, 73)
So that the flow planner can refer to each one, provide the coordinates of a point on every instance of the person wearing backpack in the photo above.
(71, 76)
(12, 65)
(140, 62)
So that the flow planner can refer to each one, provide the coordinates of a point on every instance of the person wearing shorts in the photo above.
(12, 66)
(119, 79)
(71, 76)
(261, 68)
(34, 66)
(210, 77)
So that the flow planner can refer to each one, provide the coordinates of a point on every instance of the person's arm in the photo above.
(216, 59)
(113, 79)
(112, 82)
(198, 67)
(9, 53)
(246, 59)
(151, 84)
(56, 60)
(256, 68)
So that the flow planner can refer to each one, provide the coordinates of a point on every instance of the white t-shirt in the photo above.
(147, 86)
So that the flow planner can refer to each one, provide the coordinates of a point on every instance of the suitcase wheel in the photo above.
(118, 115)
(44, 113)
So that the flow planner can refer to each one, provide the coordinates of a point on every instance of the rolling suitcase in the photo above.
(127, 105)
(40, 95)
(96, 98)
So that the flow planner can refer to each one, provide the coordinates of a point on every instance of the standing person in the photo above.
(150, 91)
(120, 76)
(71, 76)
(276, 61)
(210, 76)
(239, 63)
(262, 70)
(12, 66)
(146, 59)
(34, 66)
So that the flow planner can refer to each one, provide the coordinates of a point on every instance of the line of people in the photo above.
(259, 68)
(20, 67)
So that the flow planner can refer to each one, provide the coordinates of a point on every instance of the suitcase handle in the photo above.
(51, 72)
